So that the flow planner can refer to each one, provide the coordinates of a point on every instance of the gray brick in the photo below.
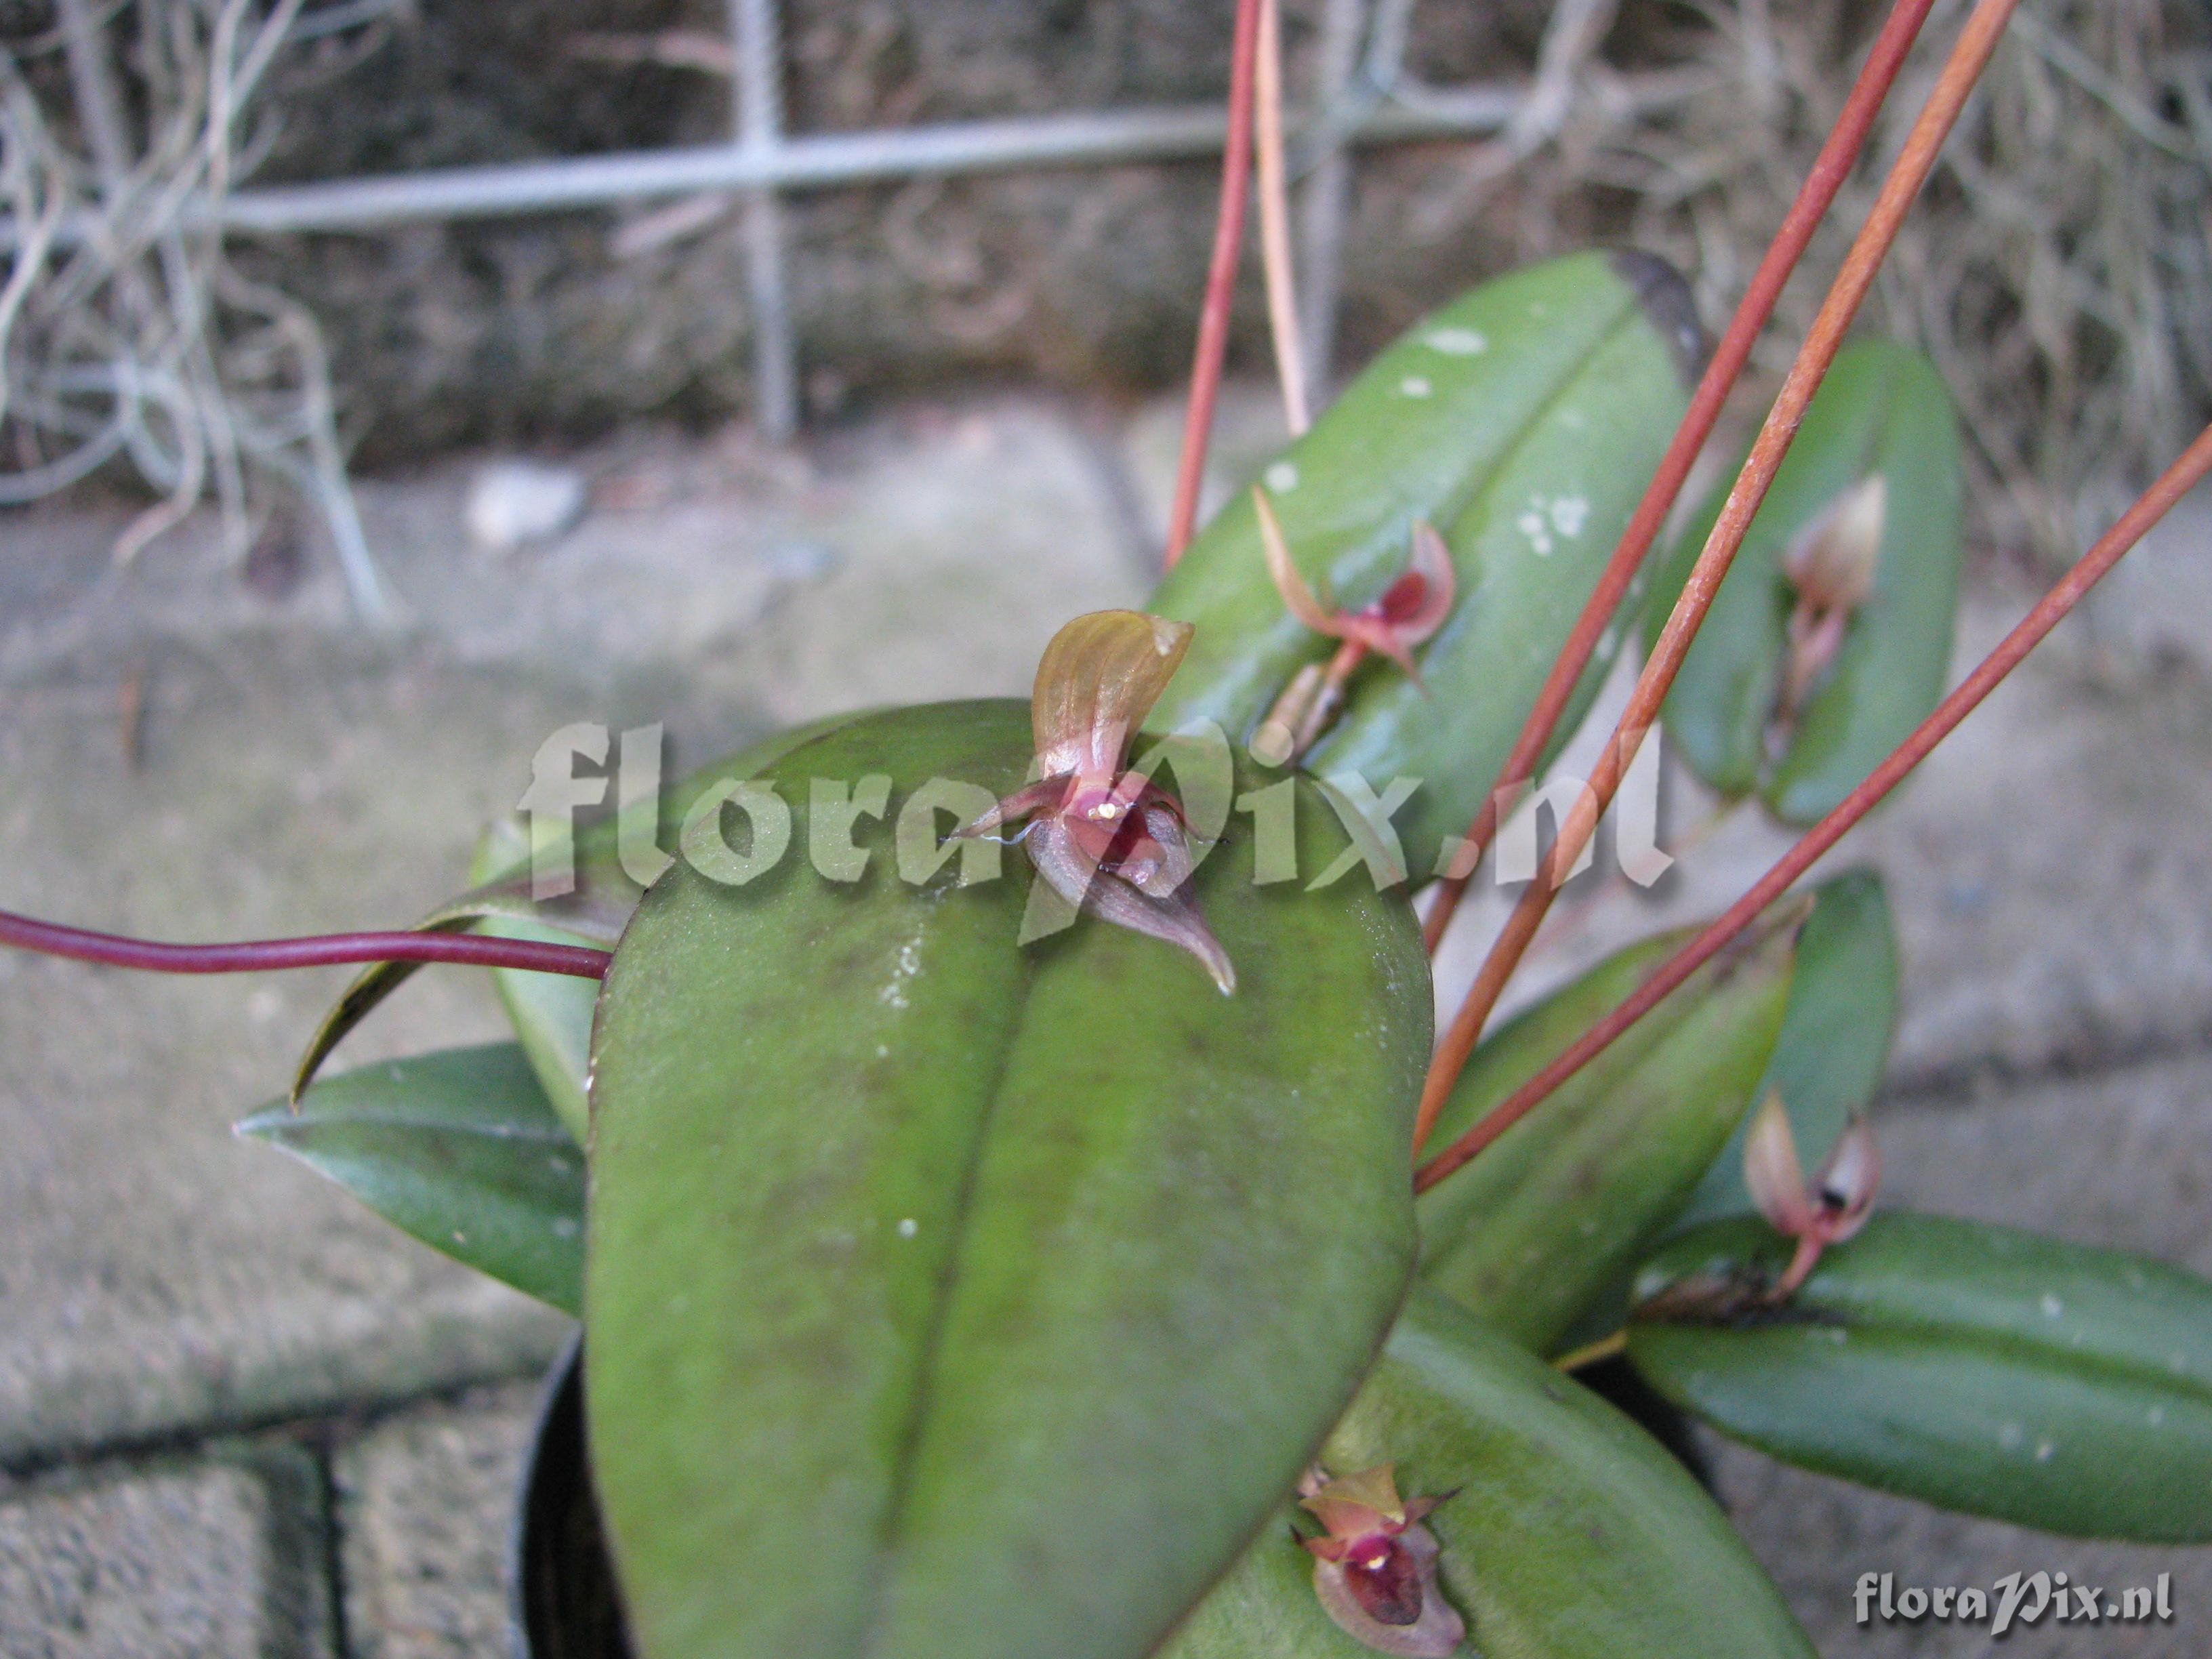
(426, 1501)
(160, 1277)
(215, 1559)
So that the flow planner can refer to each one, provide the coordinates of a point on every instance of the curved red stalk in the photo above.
(2196, 462)
(1830, 168)
(472, 950)
(1220, 281)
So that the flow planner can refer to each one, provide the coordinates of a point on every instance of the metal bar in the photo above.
(817, 161)
(811, 161)
(758, 86)
(1327, 198)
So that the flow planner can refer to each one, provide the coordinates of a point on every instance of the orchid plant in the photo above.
(1105, 1257)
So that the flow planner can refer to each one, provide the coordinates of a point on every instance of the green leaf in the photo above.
(1972, 1366)
(1883, 409)
(460, 1149)
(1834, 1046)
(1569, 1533)
(951, 1297)
(1522, 420)
(1549, 1222)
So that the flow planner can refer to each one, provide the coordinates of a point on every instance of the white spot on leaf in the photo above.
(1457, 342)
(1282, 476)
(1415, 386)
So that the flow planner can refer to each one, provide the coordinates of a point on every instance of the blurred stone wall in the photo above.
(514, 329)
(2058, 269)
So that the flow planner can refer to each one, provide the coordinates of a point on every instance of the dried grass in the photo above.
(2059, 270)
(126, 336)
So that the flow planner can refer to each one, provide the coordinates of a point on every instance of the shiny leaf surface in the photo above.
(1972, 1366)
(1554, 1216)
(1883, 409)
(460, 1149)
(951, 1297)
(1834, 1046)
(1522, 420)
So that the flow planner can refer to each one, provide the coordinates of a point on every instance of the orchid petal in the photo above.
(1055, 848)
(1097, 680)
(1297, 598)
(1030, 798)
(1772, 1171)
(1848, 1180)
(1356, 1504)
(1418, 612)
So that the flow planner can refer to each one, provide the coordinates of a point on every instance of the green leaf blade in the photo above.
(1543, 1229)
(1522, 420)
(460, 1149)
(1976, 1367)
(1834, 1049)
(1882, 408)
(1016, 1281)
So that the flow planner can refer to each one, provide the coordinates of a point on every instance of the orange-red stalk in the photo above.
(2196, 462)
(1220, 281)
(1976, 41)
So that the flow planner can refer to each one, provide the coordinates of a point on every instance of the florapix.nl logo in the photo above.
(2016, 1602)
(736, 829)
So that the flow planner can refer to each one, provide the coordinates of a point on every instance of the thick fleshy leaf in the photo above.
(1834, 1046)
(1882, 411)
(551, 1013)
(1567, 1533)
(1550, 1221)
(951, 1297)
(462, 1149)
(1098, 679)
(1522, 420)
(1975, 1367)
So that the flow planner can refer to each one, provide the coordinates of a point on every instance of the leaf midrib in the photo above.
(900, 1490)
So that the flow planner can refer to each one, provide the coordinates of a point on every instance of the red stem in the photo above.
(2177, 480)
(475, 950)
(1220, 281)
(1837, 156)
(1961, 70)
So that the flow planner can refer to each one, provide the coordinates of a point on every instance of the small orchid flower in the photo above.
(1106, 839)
(1374, 1565)
(1831, 564)
(1411, 610)
(1832, 1208)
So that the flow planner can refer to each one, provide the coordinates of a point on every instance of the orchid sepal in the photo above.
(1374, 1566)
(1105, 838)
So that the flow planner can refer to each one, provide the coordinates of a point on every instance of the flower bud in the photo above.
(1375, 1567)
(1831, 562)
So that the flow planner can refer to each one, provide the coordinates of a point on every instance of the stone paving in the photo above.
(239, 1415)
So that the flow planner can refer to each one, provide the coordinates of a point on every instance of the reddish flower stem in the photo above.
(1837, 156)
(1220, 281)
(1822, 341)
(474, 950)
(2196, 462)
